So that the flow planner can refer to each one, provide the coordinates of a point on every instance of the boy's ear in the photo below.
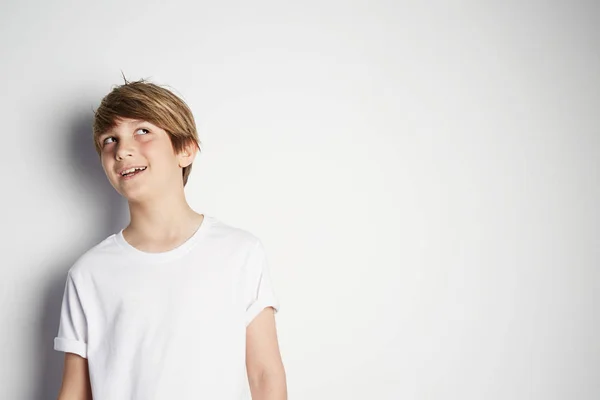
(187, 155)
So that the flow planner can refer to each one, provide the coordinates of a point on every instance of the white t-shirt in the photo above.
(168, 325)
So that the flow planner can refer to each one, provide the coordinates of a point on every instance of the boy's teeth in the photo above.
(132, 170)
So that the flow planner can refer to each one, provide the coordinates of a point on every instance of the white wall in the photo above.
(425, 179)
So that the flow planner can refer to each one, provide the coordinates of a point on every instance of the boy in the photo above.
(177, 305)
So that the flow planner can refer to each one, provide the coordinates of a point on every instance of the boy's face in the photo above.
(134, 143)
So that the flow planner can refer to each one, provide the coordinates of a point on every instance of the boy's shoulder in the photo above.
(225, 232)
(95, 255)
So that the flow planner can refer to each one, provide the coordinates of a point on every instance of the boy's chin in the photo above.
(137, 195)
(136, 198)
(143, 193)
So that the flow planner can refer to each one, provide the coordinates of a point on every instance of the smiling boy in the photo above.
(178, 304)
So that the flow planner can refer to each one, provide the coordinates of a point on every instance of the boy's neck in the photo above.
(162, 219)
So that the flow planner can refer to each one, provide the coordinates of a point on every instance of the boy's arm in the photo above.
(266, 373)
(76, 379)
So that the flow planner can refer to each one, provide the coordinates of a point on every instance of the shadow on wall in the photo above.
(109, 209)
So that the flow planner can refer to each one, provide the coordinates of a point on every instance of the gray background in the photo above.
(425, 179)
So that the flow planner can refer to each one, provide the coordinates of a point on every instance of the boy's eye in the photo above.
(112, 137)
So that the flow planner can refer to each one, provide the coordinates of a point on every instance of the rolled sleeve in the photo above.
(259, 288)
(72, 331)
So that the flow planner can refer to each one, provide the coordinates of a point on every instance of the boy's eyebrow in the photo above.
(102, 135)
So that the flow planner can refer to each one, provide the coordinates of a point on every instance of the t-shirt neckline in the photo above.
(169, 254)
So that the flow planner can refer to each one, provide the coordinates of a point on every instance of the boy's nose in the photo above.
(123, 151)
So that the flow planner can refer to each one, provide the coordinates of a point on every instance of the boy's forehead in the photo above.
(126, 121)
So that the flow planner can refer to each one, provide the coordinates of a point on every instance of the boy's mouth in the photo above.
(131, 172)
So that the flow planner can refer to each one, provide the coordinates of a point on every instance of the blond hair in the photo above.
(149, 102)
